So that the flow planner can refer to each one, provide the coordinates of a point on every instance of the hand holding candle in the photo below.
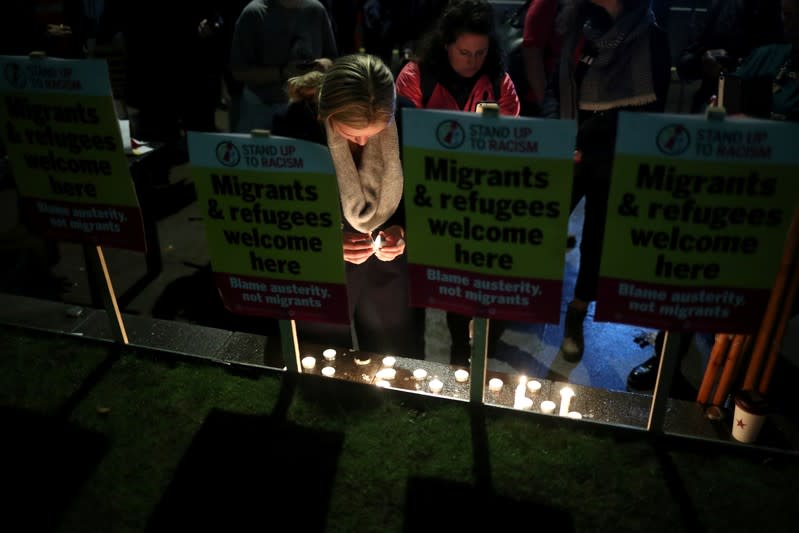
(390, 243)
(357, 247)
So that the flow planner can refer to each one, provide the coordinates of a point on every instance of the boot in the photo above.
(573, 344)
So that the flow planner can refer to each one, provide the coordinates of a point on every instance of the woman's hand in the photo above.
(357, 247)
(392, 243)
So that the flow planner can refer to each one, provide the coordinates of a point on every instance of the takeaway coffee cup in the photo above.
(750, 413)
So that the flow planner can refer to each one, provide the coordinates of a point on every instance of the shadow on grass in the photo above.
(45, 462)
(442, 505)
(671, 474)
(242, 471)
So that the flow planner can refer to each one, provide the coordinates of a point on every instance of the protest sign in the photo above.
(698, 214)
(65, 150)
(273, 222)
(487, 205)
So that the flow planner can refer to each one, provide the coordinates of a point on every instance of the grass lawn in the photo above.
(102, 438)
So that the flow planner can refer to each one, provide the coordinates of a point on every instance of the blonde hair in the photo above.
(357, 90)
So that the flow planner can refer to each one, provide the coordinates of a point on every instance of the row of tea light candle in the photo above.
(521, 401)
(385, 374)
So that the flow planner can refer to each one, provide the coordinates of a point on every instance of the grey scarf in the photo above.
(621, 73)
(369, 194)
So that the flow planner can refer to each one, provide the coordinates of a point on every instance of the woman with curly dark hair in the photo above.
(459, 63)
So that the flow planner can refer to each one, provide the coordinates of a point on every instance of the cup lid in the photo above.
(751, 402)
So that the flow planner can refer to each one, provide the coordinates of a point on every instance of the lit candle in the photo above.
(419, 374)
(362, 360)
(436, 385)
(525, 403)
(377, 243)
(461, 375)
(328, 371)
(548, 407)
(533, 386)
(386, 373)
(389, 361)
(382, 383)
(575, 415)
(329, 354)
(566, 394)
(495, 384)
(519, 397)
(308, 362)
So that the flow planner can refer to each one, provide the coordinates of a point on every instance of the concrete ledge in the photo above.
(255, 352)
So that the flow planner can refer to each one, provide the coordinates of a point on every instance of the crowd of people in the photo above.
(294, 66)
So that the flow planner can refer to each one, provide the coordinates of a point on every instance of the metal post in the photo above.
(660, 396)
(479, 360)
(288, 343)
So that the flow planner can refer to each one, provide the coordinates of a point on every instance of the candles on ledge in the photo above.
(329, 354)
(435, 385)
(461, 375)
(519, 397)
(308, 362)
(386, 373)
(547, 407)
(566, 394)
(524, 403)
(419, 374)
(495, 384)
(389, 361)
(328, 371)
(533, 386)
(575, 415)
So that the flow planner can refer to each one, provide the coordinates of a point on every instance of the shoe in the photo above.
(642, 377)
(573, 343)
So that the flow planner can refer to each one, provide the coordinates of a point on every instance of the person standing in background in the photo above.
(731, 29)
(458, 65)
(614, 58)
(275, 40)
(540, 52)
(777, 65)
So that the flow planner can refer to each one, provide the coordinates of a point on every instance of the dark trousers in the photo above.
(384, 323)
(460, 349)
(592, 181)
